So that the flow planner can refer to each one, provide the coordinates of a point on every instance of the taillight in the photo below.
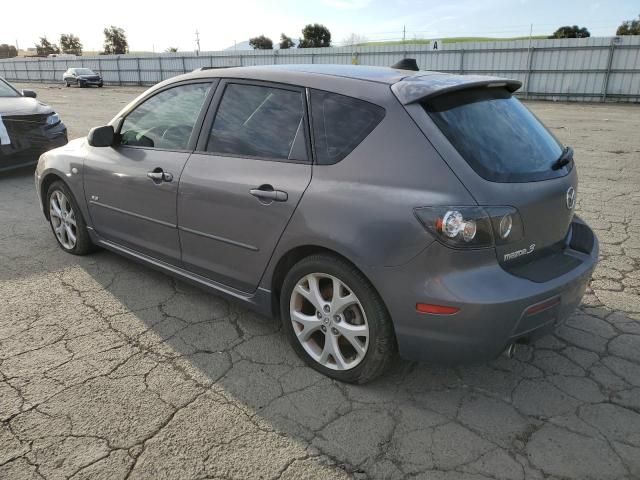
(474, 227)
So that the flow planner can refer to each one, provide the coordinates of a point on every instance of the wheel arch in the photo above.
(46, 182)
(293, 256)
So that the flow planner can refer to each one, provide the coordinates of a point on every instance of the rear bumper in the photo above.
(497, 308)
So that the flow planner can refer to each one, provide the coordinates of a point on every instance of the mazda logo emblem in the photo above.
(571, 198)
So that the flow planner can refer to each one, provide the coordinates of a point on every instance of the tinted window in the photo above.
(255, 121)
(166, 120)
(497, 135)
(340, 123)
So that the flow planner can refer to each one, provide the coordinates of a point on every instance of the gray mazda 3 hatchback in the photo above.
(374, 210)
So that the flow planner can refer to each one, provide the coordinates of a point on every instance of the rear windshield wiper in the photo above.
(565, 159)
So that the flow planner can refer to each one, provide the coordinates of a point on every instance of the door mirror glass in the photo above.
(101, 136)
(29, 93)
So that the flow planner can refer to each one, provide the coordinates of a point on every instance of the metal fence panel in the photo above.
(585, 69)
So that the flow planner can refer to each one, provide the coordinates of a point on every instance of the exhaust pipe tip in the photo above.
(510, 351)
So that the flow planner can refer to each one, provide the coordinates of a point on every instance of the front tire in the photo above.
(335, 320)
(66, 220)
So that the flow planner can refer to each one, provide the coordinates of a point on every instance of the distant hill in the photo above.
(240, 46)
(419, 41)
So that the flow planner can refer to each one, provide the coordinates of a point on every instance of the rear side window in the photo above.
(340, 124)
(257, 121)
(497, 135)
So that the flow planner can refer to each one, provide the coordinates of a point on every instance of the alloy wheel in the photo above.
(63, 219)
(329, 321)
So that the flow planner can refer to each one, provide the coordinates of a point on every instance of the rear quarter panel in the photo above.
(362, 207)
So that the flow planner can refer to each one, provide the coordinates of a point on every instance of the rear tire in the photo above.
(67, 84)
(66, 220)
(326, 299)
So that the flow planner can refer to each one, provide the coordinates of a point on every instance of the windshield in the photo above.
(497, 135)
(7, 90)
(84, 71)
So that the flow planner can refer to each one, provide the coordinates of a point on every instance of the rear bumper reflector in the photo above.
(436, 309)
(542, 306)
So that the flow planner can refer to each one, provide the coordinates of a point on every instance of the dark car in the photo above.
(373, 209)
(27, 127)
(82, 77)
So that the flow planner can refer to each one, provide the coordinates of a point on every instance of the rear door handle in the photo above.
(268, 194)
(158, 175)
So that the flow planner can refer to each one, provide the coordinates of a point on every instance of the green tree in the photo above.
(115, 41)
(286, 42)
(571, 32)
(8, 51)
(261, 43)
(45, 47)
(171, 50)
(314, 36)
(69, 43)
(629, 27)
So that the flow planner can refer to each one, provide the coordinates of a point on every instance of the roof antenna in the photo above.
(406, 64)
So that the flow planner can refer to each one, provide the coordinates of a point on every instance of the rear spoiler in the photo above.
(432, 84)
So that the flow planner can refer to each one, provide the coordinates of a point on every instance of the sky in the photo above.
(155, 26)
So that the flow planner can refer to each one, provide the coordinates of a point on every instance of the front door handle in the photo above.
(158, 175)
(266, 194)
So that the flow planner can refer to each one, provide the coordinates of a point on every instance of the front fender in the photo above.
(67, 164)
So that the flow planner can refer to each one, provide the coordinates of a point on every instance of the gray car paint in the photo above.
(360, 208)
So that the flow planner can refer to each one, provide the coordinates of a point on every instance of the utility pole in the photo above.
(404, 33)
(197, 42)
(528, 72)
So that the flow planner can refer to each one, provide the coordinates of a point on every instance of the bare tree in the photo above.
(355, 39)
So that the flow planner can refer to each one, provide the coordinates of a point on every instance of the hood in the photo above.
(23, 106)
(95, 75)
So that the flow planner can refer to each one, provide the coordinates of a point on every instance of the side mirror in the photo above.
(29, 93)
(101, 136)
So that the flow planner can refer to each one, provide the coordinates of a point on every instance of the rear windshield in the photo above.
(497, 135)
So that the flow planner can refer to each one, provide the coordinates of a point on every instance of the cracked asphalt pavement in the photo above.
(109, 369)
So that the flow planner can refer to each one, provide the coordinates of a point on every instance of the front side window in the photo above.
(6, 90)
(496, 134)
(257, 121)
(166, 120)
(340, 124)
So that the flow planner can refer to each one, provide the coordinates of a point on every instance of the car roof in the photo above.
(266, 72)
(408, 85)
